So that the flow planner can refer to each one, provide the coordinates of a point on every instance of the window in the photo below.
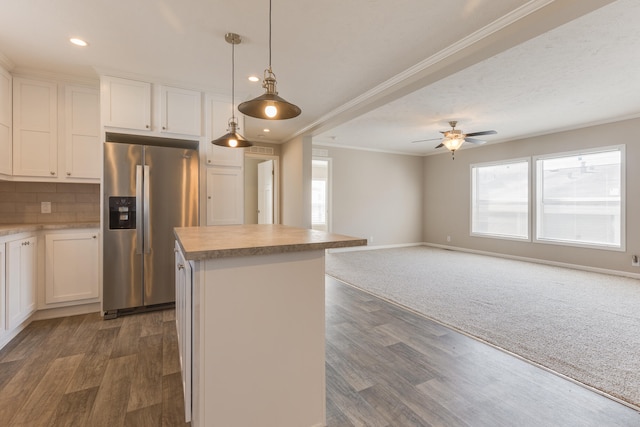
(318, 204)
(320, 194)
(580, 198)
(500, 199)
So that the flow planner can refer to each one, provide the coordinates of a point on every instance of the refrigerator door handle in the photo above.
(147, 232)
(138, 209)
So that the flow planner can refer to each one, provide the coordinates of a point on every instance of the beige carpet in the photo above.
(580, 324)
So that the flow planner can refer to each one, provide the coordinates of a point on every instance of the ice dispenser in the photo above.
(122, 213)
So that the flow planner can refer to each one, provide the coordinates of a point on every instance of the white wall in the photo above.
(447, 195)
(377, 195)
(251, 190)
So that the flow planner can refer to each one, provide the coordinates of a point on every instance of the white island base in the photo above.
(258, 336)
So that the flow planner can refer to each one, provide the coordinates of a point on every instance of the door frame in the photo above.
(276, 181)
(328, 196)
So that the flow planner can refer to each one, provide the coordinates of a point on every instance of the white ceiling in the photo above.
(372, 74)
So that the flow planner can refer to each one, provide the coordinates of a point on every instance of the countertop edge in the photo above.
(227, 241)
(9, 229)
(268, 250)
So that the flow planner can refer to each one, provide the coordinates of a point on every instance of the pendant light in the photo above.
(269, 106)
(232, 138)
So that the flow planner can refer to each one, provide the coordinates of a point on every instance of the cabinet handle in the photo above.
(94, 236)
(147, 126)
(208, 161)
(164, 128)
(52, 173)
(180, 266)
(68, 173)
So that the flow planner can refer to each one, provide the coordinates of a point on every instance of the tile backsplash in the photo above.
(21, 202)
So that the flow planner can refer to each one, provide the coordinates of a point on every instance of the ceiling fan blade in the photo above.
(474, 141)
(425, 140)
(486, 132)
(439, 145)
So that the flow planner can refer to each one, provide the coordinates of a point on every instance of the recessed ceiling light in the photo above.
(78, 42)
(266, 130)
(254, 79)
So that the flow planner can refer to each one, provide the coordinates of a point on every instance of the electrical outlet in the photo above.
(635, 261)
(371, 239)
(448, 238)
(45, 207)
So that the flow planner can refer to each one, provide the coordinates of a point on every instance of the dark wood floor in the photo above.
(84, 371)
(385, 367)
(389, 367)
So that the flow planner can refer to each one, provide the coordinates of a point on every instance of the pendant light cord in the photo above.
(269, 35)
(233, 82)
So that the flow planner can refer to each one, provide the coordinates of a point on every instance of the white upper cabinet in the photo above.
(142, 106)
(35, 128)
(180, 111)
(126, 103)
(219, 115)
(82, 132)
(6, 157)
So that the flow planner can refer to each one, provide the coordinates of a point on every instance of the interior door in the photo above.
(265, 192)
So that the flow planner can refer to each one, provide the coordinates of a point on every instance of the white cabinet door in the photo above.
(220, 113)
(183, 325)
(225, 196)
(180, 111)
(6, 150)
(82, 132)
(20, 280)
(71, 267)
(3, 303)
(126, 103)
(35, 128)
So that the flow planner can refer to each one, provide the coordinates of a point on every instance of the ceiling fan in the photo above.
(454, 138)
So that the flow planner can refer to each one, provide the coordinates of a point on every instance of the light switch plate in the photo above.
(45, 207)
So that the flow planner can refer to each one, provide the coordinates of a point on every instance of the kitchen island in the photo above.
(252, 299)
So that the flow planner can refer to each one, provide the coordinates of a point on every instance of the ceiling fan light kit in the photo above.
(454, 138)
(269, 106)
(232, 139)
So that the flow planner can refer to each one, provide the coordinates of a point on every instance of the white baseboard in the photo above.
(13, 333)
(538, 261)
(371, 248)
(73, 310)
(51, 313)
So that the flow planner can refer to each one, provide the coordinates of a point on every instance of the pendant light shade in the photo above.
(269, 106)
(232, 139)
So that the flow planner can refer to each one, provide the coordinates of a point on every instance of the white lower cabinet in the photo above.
(21, 265)
(71, 268)
(3, 326)
(183, 325)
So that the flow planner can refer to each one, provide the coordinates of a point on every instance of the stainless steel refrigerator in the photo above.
(151, 185)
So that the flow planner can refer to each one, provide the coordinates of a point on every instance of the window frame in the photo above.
(538, 190)
(473, 233)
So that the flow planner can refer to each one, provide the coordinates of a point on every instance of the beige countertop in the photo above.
(9, 229)
(223, 241)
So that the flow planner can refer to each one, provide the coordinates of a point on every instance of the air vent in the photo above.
(256, 149)
(319, 152)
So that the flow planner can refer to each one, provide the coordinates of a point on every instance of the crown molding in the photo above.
(6, 63)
